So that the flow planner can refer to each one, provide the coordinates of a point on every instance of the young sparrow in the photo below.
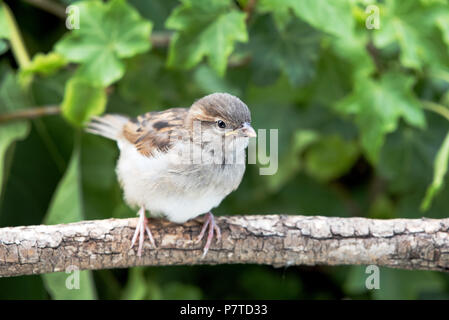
(180, 163)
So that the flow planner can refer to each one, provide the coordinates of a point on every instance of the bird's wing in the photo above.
(151, 131)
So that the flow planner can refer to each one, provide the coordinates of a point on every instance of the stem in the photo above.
(249, 9)
(161, 39)
(17, 45)
(437, 108)
(49, 6)
(374, 54)
(29, 113)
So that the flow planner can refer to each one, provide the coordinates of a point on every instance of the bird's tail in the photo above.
(109, 126)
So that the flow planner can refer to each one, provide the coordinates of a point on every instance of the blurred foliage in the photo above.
(362, 115)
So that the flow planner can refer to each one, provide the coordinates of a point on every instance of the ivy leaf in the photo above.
(108, 32)
(66, 207)
(205, 28)
(294, 51)
(210, 82)
(82, 100)
(279, 9)
(414, 28)
(352, 49)
(330, 158)
(156, 11)
(406, 160)
(378, 105)
(334, 17)
(291, 163)
(440, 170)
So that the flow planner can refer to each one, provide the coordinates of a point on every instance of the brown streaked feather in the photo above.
(151, 131)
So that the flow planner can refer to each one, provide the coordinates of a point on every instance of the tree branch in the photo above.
(50, 6)
(271, 240)
(32, 113)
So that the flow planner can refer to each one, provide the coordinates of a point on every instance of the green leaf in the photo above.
(135, 288)
(394, 283)
(66, 207)
(443, 24)
(3, 46)
(210, 82)
(259, 283)
(11, 98)
(55, 283)
(331, 16)
(330, 158)
(44, 64)
(378, 105)
(406, 160)
(440, 170)
(352, 49)
(108, 32)
(181, 291)
(8, 134)
(82, 100)
(291, 163)
(66, 204)
(156, 11)
(408, 284)
(293, 51)
(413, 27)
(205, 28)
(382, 208)
(279, 9)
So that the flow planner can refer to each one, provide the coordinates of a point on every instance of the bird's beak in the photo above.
(246, 131)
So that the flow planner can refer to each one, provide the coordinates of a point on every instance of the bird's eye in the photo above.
(221, 124)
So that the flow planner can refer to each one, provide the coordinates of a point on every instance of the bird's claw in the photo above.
(141, 228)
(213, 229)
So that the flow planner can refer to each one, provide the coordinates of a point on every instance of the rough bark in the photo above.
(273, 240)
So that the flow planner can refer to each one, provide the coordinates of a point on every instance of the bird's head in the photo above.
(222, 118)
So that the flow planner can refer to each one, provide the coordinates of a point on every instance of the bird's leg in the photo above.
(213, 228)
(141, 228)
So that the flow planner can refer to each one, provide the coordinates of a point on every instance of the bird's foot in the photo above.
(213, 229)
(141, 228)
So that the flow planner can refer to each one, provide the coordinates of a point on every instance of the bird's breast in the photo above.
(180, 191)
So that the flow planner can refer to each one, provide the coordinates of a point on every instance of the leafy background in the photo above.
(362, 117)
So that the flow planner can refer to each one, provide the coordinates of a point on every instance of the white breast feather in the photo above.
(148, 182)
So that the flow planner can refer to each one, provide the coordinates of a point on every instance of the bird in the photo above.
(180, 163)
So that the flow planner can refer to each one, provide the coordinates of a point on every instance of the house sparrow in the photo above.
(180, 163)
